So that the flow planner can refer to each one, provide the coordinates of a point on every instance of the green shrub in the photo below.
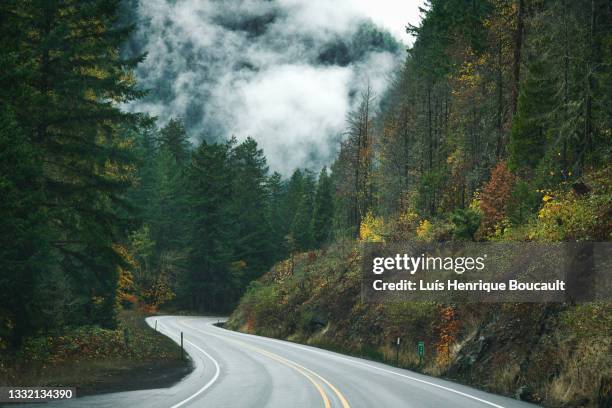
(524, 203)
(466, 222)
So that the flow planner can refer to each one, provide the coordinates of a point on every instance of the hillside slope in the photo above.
(556, 354)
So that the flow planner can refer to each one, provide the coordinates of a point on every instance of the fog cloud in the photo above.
(284, 72)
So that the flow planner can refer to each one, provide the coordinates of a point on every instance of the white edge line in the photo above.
(208, 384)
(334, 355)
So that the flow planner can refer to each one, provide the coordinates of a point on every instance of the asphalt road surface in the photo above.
(238, 370)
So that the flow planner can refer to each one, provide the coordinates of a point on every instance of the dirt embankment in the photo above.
(98, 361)
(556, 355)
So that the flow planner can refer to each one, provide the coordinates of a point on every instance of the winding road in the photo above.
(239, 370)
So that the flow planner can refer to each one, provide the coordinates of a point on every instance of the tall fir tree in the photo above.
(72, 79)
(249, 207)
(302, 226)
(210, 281)
(277, 215)
(173, 137)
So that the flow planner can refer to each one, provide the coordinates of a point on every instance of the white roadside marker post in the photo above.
(397, 344)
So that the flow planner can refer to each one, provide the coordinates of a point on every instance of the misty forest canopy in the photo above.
(105, 208)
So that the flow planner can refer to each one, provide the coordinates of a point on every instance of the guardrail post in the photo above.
(182, 350)
(155, 324)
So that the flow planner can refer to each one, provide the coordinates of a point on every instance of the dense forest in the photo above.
(513, 94)
(214, 218)
(496, 127)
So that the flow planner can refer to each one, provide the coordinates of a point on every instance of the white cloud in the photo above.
(292, 108)
(394, 15)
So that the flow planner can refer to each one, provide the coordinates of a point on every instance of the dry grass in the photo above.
(584, 367)
(504, 379)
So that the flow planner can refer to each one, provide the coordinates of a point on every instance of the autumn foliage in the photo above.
(495, 197)
(371, 228)
(449, 331)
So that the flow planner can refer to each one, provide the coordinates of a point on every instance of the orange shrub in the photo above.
(495, 197)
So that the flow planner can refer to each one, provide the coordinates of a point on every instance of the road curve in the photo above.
(239, 370)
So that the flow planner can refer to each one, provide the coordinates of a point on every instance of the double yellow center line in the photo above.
(306, 372)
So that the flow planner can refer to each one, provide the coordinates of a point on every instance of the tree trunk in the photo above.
(500, 102)
(518, 45)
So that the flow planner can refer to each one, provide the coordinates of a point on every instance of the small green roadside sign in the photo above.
(421, 348)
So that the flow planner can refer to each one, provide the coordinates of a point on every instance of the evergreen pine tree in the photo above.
(277, 217)
(210, 282)
(301, 229)
(528, 136)
(173, 137)
(249, 208)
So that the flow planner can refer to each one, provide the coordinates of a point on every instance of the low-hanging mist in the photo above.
(285, 72)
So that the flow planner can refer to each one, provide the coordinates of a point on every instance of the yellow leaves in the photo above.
(550, 220)
(160, 292)
(549, 209)
(471, 79)
(469, 73)
(475, 203)
(95, 72)
(424, 229)
(552, 209)
(389, 130)
(501, 230)
(405, 224)
(125, 284)
(372, 228)
(408, 217)
(282, 271)
(90, 95)
(119, 171)
(125, 254)
(542, 213)
(126, 280)
(97, 300)
(565, 216)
